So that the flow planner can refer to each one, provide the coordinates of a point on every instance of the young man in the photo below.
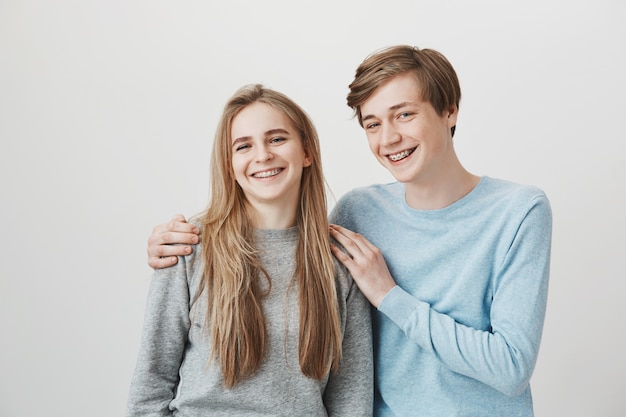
(455, 265)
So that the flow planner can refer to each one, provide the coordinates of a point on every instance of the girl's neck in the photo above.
(271, 217)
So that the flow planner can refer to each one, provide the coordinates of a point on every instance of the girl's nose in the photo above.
(263, 154)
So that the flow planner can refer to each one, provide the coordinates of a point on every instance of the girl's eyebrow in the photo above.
(275, 131)
(241, 139)
(268, 133)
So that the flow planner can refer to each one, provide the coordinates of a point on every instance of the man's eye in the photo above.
(404, 115)
(372, 125)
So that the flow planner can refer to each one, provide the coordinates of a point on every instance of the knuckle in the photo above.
(166, 238)
(159, 251)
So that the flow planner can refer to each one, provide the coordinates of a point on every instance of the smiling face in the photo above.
(406, 134)
(267, 156)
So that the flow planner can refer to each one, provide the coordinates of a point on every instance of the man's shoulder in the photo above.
(505, 196)
(364, 202)
(510, 189)
(374, 190)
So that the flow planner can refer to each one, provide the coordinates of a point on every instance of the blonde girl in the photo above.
(260, 319)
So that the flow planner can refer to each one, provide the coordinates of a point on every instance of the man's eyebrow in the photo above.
(267, 133)
(392, 108)
(401, 105)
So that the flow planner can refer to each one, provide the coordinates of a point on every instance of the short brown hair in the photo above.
(435, 75)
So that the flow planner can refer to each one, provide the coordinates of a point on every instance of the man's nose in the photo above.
(390, 134)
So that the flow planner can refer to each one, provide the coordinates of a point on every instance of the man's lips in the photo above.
(401, 155)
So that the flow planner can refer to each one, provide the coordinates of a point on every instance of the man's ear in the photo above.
(452, 113)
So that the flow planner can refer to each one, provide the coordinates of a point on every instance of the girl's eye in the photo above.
(241, 147)
(277, 139)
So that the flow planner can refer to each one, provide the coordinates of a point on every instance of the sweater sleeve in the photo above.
(504, 356)
(165, 332)
(350, 391)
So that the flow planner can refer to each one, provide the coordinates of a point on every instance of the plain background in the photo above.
(107, 114)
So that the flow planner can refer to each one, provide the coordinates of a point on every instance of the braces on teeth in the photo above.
(401, 155)
(267, 173)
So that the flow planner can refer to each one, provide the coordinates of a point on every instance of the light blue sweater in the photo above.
(459, 334)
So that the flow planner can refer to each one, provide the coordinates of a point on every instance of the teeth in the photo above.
(401, 155)
(267, 174)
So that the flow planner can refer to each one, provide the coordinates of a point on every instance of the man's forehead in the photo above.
(400, 90)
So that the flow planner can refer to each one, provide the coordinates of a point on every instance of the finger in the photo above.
(178, 223)
(342, 230)
(171, 238)
(362, 242)
(341, 256)
(179, 218)
(161, 251)
(158, 263)
(350, 244)
(155, 241)
(356, 270)
(344, 233)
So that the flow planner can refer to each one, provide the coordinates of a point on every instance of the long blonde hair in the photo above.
(232, 269)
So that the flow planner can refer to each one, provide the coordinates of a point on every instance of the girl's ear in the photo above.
(307, 161)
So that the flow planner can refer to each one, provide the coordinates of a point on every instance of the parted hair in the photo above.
(233, 274)
(435, 75)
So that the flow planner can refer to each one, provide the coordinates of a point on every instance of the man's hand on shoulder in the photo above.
(170, 240)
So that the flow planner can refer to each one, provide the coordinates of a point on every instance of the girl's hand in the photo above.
(365, 263)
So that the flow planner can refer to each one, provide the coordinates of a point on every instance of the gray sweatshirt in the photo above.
(173, 376)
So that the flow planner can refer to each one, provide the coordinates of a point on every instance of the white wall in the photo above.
(107, 112)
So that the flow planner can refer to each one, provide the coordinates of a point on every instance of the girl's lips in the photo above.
(268, 173)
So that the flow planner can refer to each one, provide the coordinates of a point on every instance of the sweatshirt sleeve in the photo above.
(503, 357)
(165, 333)
(350, 391)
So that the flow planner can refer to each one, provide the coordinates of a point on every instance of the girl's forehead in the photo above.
(257, 119)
